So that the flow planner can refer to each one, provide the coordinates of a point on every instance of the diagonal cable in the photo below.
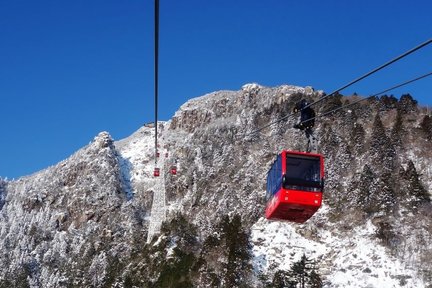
(347, 85)
(374, 95)
(373, 71)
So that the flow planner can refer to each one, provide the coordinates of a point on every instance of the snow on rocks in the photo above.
(251, 87)
(354, 260)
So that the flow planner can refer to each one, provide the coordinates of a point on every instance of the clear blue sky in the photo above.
(70, 69)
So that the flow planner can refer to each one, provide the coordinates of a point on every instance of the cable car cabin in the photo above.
(156, 172)
(295, 185)
(174, 170)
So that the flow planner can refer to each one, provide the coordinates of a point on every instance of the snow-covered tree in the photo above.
(397, 131)
(357, 139)
(413, 189)
(407, 104)
(426, 127)
(382, 151)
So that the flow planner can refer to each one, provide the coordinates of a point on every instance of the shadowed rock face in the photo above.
(74, 222)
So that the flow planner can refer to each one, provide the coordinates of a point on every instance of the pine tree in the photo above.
(383, 152)
(379, 137)
(426, 127)
(350, 118)
(385, 194)
(329, 141)
(397, 131)
(386, 234)
(282, 279)
(407, 104)
(315, 280)
(374, 193)
(388, 102)
(237, 247)
(299, 271)
(364, 189)
(303, 272)
(415, 190)
(177, 270)
(2, 192)
(183, 231)
(333, 102)
(373, 103)
(357, 138)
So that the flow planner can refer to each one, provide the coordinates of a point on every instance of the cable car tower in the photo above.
(156, 171)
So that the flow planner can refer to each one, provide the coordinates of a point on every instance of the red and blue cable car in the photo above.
(173, 170)
(295, 184)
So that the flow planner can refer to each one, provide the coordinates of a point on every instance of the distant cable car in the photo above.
(156, 172)
(174, 170)
(166, 155)
(295, 183)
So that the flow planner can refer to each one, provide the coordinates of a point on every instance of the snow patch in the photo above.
(251, 87)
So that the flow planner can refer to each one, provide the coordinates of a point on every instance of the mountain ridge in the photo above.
(84, 216)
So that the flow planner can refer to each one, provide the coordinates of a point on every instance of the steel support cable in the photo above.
(374, 95)
(156, 71)
(346, 86)
(373, 71)
(343, 107)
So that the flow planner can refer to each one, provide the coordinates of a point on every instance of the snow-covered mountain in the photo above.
(100, 218)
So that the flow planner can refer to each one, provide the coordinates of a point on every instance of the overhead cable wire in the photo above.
(348, 105)
(373, 71)
(374, 95)
(156, 71)
(346, 85)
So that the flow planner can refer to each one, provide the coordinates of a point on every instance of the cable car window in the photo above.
(274, 178)
(302, 173)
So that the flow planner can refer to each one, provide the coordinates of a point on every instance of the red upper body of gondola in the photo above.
(295, 184)
(173, 170)
(156, 172)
